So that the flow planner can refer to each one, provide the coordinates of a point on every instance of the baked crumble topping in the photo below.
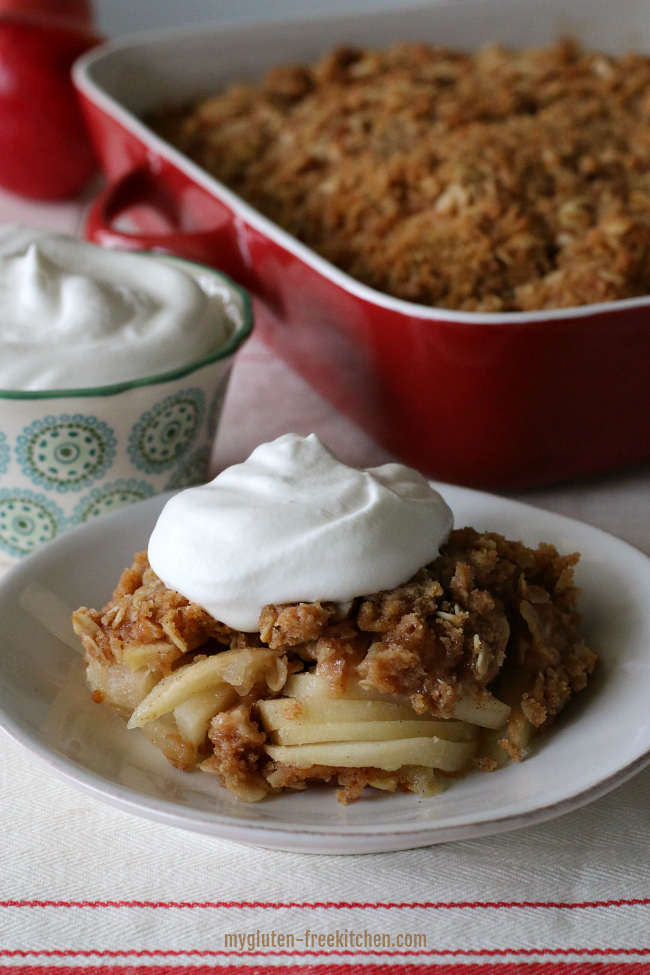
(489, 619)
(502, 180)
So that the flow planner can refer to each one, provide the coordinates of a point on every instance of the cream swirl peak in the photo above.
(73, 315)
(294, 524)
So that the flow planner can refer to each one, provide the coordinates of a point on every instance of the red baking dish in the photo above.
(496, 400)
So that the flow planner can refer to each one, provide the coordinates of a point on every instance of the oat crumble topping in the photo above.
(502, 180)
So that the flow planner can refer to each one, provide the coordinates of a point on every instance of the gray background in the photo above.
(117, 17)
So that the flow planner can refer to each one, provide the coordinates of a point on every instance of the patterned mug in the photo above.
(68, 456)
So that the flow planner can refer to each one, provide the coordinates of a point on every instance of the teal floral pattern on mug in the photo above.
(27, 520)
(165, 433)
(66, 453)
(111, 497)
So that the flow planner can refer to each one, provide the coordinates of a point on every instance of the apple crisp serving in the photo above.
(502, 180)
(455, 669)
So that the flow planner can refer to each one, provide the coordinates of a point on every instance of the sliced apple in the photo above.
(194, 715)
(482, 709)
(238, 668)
(450, 756)
(305, 732)
(276, 713)
(310, 685)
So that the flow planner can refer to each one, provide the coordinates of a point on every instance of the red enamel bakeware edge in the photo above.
(485, 400)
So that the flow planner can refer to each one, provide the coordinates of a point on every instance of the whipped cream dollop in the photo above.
(74, 315)
(294, 524)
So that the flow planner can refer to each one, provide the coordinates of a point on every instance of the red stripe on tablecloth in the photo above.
(362, 953)
(512, 968)
(336, 905)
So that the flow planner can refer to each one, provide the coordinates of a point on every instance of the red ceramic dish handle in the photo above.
(216, 246)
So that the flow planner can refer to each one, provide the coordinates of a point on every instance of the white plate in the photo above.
(602, 740)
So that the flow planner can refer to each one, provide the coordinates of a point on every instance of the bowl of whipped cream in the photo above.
(114, 367)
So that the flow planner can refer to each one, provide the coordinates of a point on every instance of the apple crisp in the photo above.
(457, 668)
(502, 180)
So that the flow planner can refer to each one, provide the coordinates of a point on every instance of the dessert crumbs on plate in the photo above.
(501, 180)
(490, 618)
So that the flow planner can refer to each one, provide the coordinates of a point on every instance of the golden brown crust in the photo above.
(494, 181)
(353, 781)
(156, 624)
(288, 626)
(237, 742)
(487, 613)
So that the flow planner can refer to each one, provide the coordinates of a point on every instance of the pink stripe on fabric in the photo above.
(336, 905)
(510, 968)
(433, 953)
